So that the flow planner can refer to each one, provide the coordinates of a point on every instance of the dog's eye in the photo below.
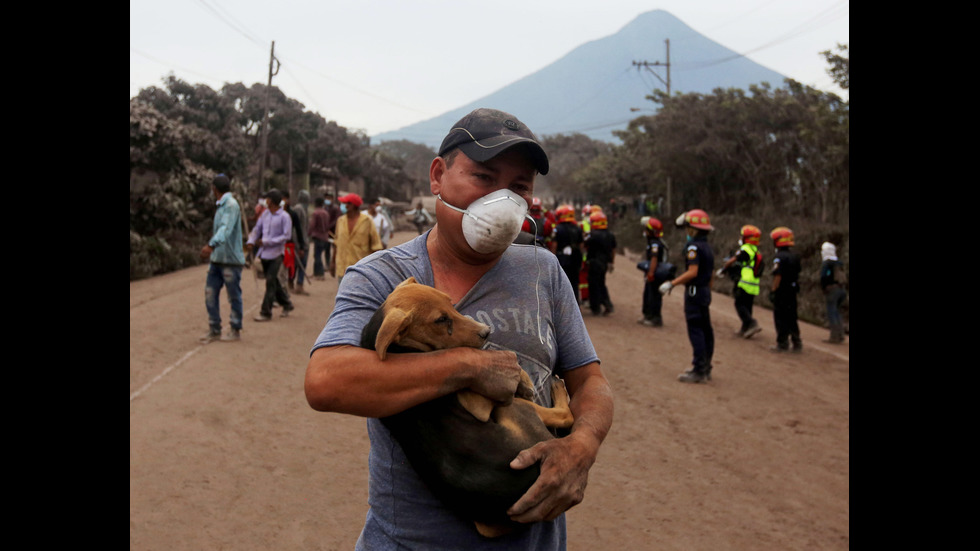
(447, 321)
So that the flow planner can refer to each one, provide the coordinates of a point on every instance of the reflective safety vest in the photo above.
(747, 280)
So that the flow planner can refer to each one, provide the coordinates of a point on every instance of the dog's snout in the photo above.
(484, 332)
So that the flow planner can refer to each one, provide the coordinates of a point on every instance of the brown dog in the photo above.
(461, 445)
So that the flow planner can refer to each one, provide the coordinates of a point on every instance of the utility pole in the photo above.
(647, 64)
(265, 118)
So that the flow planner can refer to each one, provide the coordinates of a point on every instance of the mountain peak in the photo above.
(591, 89)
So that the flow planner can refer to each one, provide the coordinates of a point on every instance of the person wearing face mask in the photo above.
(356, 236)
(483, 179)
(697, 280)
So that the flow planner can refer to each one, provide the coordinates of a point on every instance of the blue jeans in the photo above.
(231, 278)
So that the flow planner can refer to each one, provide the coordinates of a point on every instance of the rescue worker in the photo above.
(656, 253)
(600, 248)
(785, 287)
(749, 264)
(833, 282)
(697, 279)
(566, 243)
(539, 222)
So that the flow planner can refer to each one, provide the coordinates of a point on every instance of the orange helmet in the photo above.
(750, 234)
(782, 236)
(598, 221)
(697, 218)
(565, 213)
(654, 226)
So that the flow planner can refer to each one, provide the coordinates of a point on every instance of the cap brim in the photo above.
(488, 148)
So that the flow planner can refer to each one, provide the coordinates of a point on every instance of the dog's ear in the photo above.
(411, 279)
(478, 405)
(395, 323)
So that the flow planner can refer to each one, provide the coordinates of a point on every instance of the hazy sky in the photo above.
(379, 65)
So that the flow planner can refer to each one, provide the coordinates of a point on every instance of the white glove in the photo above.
(666, 287)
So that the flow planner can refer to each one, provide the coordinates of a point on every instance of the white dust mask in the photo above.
(492, 222)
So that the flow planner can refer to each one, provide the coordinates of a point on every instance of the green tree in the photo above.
(840, 66)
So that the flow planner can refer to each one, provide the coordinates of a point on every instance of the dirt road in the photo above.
(226, 454)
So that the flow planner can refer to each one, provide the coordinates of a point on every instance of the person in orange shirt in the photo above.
(356, 236)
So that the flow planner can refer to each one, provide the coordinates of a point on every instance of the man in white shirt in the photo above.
(381, 221)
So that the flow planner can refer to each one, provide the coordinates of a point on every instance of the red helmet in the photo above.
(598, 221)
(654, 226)
(565, 213)
(697, 218)
(782, 236)
(535, 204)
(750, 234)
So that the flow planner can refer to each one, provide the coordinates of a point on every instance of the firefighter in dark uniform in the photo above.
(566, 242)
(697, 279)
(785, 287)
(600, 248)
(656, 253)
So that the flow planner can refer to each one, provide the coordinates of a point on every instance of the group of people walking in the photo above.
(279, 240)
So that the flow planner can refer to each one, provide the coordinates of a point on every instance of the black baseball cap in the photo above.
(485, 133)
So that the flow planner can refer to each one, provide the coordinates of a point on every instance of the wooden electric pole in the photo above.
(265, 117)
(647, 64)
(666, 64)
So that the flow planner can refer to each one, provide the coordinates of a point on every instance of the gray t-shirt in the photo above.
(524, 295)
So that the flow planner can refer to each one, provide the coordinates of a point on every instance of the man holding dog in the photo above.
(483, 179)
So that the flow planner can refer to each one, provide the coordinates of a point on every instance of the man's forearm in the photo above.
(591, 404)
(353, 380)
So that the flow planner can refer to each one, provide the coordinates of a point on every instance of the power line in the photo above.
(823, 18)
(239, 28)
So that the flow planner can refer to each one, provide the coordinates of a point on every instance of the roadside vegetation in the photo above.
(768, 156)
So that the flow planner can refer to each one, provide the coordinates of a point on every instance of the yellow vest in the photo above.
(747, 280)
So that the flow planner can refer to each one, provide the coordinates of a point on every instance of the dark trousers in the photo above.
(274, 291)
(743, 307)
(835, 296)
(698, 315)
(598, 293)
(653, 301)
(571, 265)
(784, 317)
(321, 256)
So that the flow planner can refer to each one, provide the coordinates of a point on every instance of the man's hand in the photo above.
(206, 251)
(565, 464)
(497, 375)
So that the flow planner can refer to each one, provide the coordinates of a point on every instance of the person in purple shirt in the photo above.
(272, 230)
